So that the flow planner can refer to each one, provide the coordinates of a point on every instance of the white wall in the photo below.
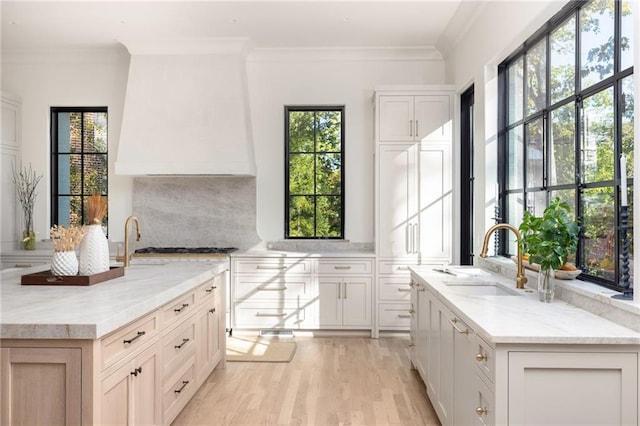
(71, 79)
(496, 30)
(276, 78)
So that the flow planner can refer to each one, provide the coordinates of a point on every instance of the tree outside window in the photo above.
(314, 184)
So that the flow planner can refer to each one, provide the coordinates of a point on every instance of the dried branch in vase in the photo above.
(96, 209)
(26, 180)
(66, 239)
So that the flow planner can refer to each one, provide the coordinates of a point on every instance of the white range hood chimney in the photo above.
(186, 110)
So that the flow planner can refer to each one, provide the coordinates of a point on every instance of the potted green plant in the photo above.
(549, 240)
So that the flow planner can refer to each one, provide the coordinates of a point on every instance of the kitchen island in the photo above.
(130, 350)
(491, 354)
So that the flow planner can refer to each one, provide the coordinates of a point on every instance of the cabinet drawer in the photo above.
(345, 267)
(128, 338)
(280, 288)
(178, 345)
(395, 267)
(264, 315)
(181, 307)
(396, 315)
(178, 390)
(485, 359)
(272, 266)
(484, 401)
(394, 288)
(209, 290)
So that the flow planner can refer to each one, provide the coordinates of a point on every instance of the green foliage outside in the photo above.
(315, 174)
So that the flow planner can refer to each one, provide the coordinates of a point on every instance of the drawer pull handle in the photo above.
(411, 345)
(136, 371)
(481, 357)
(454, 323)
(209, 290)
(271, 267)
(260, 314)
(404, 289)
(342, 267)
(481, 411)
(404, 316)
(412, 311)
(23, 265)
(212, 310)
(184, 342)
(271, 289)
(137, 336)
(402, 268)
(180, 309)
(419, 287)
(184, 385)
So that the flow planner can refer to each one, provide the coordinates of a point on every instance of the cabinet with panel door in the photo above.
(413, 188)
(10, 154)
(344, 293)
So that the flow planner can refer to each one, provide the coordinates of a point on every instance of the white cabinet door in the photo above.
(329, 302)
(432, 117)
(397, 201)
(463, 372)
(597, 388)
(396, 118)
(435, 200)
(356, 301)
(423, 319)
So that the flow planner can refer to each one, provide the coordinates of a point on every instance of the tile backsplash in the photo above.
(196, 211)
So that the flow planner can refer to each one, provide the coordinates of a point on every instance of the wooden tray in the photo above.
(47, 278)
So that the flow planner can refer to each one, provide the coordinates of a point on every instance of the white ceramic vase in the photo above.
(64, 263)
(94, 251)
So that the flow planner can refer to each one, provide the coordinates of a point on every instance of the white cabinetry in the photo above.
(344, 293)
(302, 292)
(10, 147)
(470, 381)
(413, 187)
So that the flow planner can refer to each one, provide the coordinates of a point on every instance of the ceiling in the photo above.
(78, 25)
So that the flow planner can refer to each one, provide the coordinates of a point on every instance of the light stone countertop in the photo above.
(522, 319)
(91, 312)
(296, 254)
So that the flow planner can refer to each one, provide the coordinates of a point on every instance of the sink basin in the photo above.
(480, 288)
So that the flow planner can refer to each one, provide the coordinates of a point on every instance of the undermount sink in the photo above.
(480, 288)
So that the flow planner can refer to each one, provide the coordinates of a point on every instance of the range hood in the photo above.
(186, 110)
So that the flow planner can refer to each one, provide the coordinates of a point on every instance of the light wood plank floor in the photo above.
(330, 381)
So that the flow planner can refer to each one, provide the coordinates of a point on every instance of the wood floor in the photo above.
(330, 381)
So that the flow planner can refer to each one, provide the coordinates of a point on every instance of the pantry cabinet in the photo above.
(413, 185)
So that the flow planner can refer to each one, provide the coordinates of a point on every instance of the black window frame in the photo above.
(313, 108)
(55, 194)
(614, 82)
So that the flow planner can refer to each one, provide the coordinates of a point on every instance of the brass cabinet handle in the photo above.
(344, 295)
(209, 290)
(180, 309)
(136, 371)
(481, 411)
(410, 127)
(271, 267)
(260, 314)
(184, 342)
(212, 310)
(454, 323)
(404, 316)
(404, 289)
(137, 336)
(342, 267)
(411, 345)
(271, 289)
(481, 357)
(184, 385)
(412, 311)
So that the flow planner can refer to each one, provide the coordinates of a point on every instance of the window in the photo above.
(314, 181)
(79, 162)
(566, 118)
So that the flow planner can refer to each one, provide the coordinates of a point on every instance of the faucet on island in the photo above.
(521, 279)
(127, 257)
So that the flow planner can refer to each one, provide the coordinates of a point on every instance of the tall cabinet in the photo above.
(413, 192)
(10, 146)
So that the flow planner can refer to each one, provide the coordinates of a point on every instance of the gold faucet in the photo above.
(127, 257)
(521, 279)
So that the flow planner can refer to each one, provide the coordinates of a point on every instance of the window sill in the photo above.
(584, 295)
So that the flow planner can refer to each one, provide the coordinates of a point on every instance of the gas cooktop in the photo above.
(185, 250)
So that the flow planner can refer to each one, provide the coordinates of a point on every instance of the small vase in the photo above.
(64, 263)
(28, 240)
(94, 251)
(546, 285)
